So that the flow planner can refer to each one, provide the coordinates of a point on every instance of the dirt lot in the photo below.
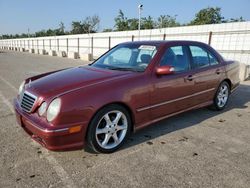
(201, 148)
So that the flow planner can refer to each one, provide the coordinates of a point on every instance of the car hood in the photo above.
(59, 82)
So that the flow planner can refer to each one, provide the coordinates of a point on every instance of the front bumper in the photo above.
(50, 137)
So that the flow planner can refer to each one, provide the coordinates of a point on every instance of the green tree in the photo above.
(91, 24)
(88, 25)
(210, 15)
(76, 27)
(24, 35)
(133, 24)
(41, 33)
(61, 28)
(50, 32)
(147, 23)
(240, 19)
(121, 22)
(167, 21)
(107, 30)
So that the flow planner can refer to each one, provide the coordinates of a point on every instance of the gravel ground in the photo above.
(201, 148)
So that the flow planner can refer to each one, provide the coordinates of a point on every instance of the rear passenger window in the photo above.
(176, 57)
(200, 57)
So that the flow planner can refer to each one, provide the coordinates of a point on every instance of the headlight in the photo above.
(42, 109)
(21, 87)
(53, 109)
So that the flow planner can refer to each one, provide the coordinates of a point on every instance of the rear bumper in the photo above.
(50, 137)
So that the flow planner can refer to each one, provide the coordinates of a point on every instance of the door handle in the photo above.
(218, 71)
(189, 77)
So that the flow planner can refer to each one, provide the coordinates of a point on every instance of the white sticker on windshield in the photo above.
(147, 47)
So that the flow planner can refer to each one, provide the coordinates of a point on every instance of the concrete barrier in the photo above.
(36, 51)
(42, 52)
(61, 54)
(86, 57)
(52, 52)
(73, 55)
(31, 50)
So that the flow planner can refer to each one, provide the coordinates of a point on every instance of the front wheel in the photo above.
(109, 129)
(221, 96)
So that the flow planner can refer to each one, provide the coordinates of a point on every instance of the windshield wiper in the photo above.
(124, 69)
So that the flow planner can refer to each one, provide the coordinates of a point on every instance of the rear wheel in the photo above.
(221, 96)
(109, 129)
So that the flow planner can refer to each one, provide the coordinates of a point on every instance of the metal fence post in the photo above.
(164, 36)
(133, 38)
(92, 46)
(67, 45)
(58, 45)
(109, 42)
(210, 37)
(78, 46)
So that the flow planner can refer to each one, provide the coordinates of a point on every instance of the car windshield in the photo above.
(127, 58)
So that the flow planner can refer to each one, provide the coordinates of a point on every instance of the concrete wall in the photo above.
(232, 40)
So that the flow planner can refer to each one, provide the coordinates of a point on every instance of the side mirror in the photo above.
(164, 70)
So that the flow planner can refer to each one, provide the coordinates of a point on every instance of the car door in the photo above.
(172, 93)
(206, 75)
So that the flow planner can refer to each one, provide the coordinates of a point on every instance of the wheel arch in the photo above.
(114, 103)
(229, 82)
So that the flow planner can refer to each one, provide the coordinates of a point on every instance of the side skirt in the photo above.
(140, 126)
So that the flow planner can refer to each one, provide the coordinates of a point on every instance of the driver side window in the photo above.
(176, 57)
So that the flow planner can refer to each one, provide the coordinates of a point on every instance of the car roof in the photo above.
(162, 42)
(174, 42)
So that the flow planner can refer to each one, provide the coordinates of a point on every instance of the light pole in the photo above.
(139, 24)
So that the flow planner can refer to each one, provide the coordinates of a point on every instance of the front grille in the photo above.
(28, 101)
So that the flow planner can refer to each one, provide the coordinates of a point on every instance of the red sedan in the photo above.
(129, 87)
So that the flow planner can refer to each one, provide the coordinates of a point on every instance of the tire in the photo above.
(109, 129)
(221, 97)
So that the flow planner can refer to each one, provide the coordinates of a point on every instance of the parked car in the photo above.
(131, 86)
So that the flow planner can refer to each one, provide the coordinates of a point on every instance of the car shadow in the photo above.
(238, 100)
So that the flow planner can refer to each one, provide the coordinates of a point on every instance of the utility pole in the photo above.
(139, 24)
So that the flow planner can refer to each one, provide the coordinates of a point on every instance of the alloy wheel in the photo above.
(222, 95)
(111, 129)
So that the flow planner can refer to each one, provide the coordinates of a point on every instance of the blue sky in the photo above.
(16, 16)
